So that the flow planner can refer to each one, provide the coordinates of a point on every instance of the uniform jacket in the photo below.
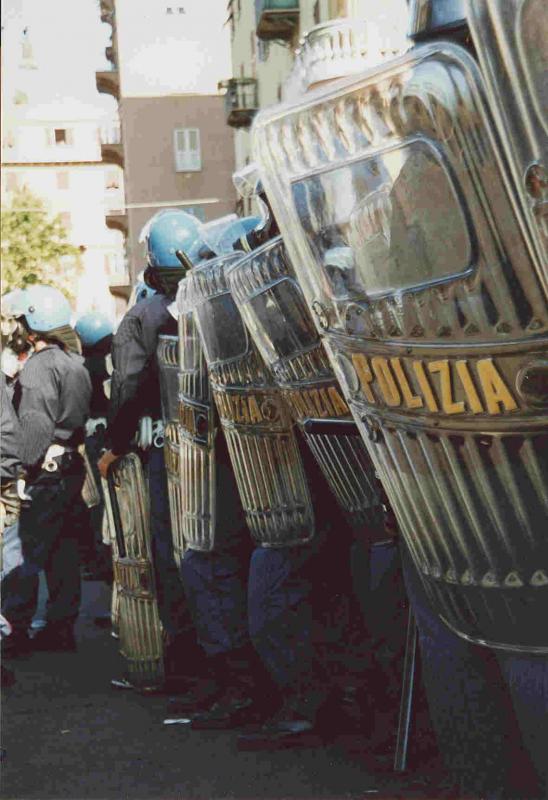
(135, 388)
(10, 439)
(52, 400)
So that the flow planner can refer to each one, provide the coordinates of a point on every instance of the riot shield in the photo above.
(269, 298)
(254, 417)
(196, 430)
(400, 222)
(140, 630)
(511, 40)
(167, 355)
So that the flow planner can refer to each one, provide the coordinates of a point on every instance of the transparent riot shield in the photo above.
(139, 627)
(167, 355)
(511, 40)
(415, 260)
(90, 490)
(269, 298)
(197, 472)
(254, 417)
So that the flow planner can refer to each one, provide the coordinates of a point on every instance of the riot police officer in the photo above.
(95, 331)
(52, 400)
(135, 393)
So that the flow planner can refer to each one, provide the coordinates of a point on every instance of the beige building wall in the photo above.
(152, 181)
(270, 63)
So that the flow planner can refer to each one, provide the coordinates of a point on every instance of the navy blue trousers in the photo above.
(169, 586)
(49, 532)
(265, 598)
(489, 708)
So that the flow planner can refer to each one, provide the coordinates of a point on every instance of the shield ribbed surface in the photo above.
(474, 507)
(270, 300)
(196, 426)
(255, 420)
(421, 263)
(139, 626)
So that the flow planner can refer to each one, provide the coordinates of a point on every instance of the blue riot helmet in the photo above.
(92, 327)
(140, 291)
(44, 308)
(173, 242)
(46, 311)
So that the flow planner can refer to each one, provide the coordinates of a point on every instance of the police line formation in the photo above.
(305, 401)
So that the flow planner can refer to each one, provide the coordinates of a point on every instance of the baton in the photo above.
(116, 517)
(408, 679)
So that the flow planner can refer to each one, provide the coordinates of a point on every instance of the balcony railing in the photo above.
(241, 101)
(276, 19)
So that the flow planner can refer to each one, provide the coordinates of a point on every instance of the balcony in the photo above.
(116, 220)
(112, 150)
(276, 19)
(108, 82)
(241, 101)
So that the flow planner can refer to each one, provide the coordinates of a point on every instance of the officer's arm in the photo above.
(38, 406)
(131, 354)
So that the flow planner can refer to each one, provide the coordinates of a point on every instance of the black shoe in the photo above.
(283, 732)
(16, 645)
(234, 709)
(55, 638)
(200, 698)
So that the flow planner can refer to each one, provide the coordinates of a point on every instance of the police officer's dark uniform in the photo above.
(135, 392)
(52, 401)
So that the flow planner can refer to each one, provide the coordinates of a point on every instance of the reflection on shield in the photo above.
(255, 419)
(412, 247)
(271, 303)
(139, 627)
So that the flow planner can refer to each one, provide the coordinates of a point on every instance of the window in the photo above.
(12, 181)
(9, 139)
(186, 142)
(62, 136)
(112, 180)
(66, 220)
(62, 180)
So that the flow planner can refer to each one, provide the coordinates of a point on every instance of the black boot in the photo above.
(203, 693)
(249, 697)
(55, 637)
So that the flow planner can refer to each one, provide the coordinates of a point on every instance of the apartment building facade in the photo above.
(54, 150)
(174, 146)
(265, 35)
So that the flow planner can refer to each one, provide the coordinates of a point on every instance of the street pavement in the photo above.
(67, 734)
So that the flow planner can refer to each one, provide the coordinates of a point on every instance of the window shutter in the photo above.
(69, 137)
(187, 150)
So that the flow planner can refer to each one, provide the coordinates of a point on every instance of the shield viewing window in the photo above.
(223, 334)
(285, 325)
(384, 224)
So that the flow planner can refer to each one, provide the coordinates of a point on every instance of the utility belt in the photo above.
(54, 452)
(149, 433)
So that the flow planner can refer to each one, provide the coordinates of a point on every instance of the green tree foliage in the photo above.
(35, 248)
